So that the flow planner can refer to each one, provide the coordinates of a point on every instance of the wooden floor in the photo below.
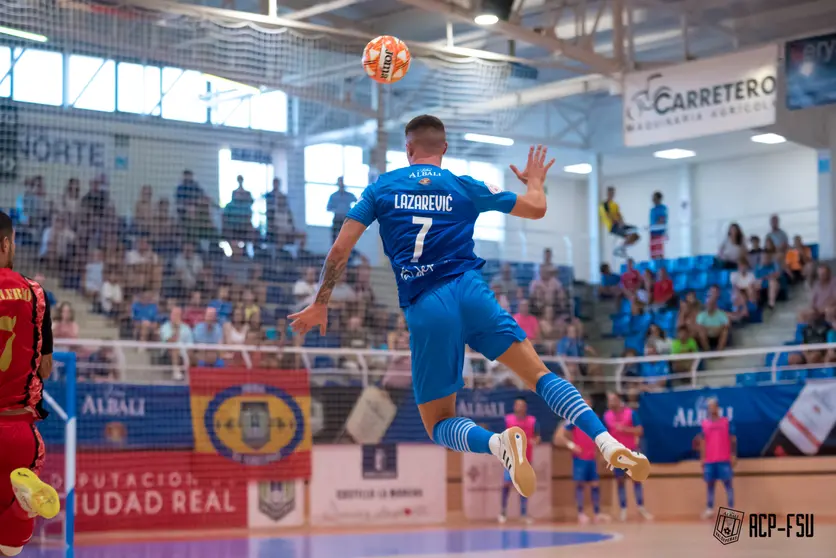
(617, 540)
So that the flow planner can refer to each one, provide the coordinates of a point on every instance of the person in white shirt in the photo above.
(744, 280)
(175, 331)
(304, 290)
(110, 297)
(188, 265)
(57, 241)
(94, 275)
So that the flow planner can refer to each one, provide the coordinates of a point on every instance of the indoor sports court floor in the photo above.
(649, 540)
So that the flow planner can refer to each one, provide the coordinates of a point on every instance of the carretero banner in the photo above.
(712, 96)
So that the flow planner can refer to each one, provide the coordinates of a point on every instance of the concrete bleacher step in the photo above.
(385, 288)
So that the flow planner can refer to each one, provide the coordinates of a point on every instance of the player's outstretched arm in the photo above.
(532, 204)
(317, 313)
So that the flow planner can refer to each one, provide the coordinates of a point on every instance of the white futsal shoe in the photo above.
(619, 457)
(602, 518)
(583, 519)
(645, 514)
(510, 448)
(708, 513)
(501, 519)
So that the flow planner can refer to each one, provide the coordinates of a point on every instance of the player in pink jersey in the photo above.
(626, 428)
(584, 467)
(521, 419)
(718, 453)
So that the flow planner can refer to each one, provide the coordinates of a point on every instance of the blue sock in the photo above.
(579, 496)
(566, 402)
(622, 495)
(506, 488)
(638, 490)
(461, 434)
(596, 499)
(729, 492)
(709, 495)
(523, 506)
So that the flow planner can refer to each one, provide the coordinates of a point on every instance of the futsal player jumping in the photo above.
(718, 452)
(25, 362)
(427, 217)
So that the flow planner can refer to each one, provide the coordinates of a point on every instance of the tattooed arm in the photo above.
(338, 258)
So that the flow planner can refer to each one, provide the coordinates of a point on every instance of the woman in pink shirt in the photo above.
(625, 427)
(528, 322)
(718, 453)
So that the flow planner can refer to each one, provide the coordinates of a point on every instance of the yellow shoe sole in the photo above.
(636, 465)
(524, 479)
(40, 497)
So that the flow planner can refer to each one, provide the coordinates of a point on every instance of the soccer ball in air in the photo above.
(386, 59)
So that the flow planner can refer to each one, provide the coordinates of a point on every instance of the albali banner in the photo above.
(482, 480)
(382, 484)
(701, 98)
(772, 420)
(145, 490)
(251, 423)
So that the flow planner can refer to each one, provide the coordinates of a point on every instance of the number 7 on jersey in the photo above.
(426, 223)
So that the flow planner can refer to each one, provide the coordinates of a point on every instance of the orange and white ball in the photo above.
(386, 59)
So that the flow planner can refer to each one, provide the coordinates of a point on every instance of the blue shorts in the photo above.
(717, 471)
(584, 470)
(441, 322)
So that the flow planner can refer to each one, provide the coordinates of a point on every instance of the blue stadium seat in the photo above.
(566, 274)
(682, 265)
(641, 266)
(621, 325)
(666, 320)
(624, 307)
(799, 332)
(623, 269)
(635, 342)
(705, 262)
(753, 378)
(680, 282)
(655, 265)
(719, 277)
(698, 280)
(814, 251)
(640, 323)
(792, 375)
(821, 373)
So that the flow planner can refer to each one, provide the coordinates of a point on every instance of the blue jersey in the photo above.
(426, 217)
(658, 219)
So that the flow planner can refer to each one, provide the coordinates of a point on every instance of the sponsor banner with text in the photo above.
(384, 484)
(482, 480)
(276, 503)
(712, 96)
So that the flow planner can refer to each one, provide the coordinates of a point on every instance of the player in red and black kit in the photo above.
(25, 362)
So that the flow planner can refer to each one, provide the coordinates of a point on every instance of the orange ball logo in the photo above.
(386, 59)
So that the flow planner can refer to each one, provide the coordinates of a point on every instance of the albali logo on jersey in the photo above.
(713, 96)
(379, 485)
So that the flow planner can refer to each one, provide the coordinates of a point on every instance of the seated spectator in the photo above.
(235, 329)
(689, 309)
(361, 281)
(399, 328)
(57, 244)
(610, 283)
(195, 309)
(238, 214)
(254, 325)
(544, 290)
(64, 325)
(655, 373)
(656, 337)
(770, 273)
(732, 248)
(304, 290)
(249, 304)
(505, 281)
(111, 298)
(713, 324)
(550, 331)
(631, 280)
(222, 304)
(823, 297)
(501, 299)
(645, 293)
(683, 344)
(70, 202)
(740, 307)
(176, 331)
(355, 336)
(93, 280)
(165, 231)
(572, 345)
(799, 262)
(208, 332)
(143, 210)
(144, 316)
(188, 269)
(528, 322)
(238, 268)
(777, 236)
(143, 268)
(663, 292)
(342, 293)
(755, 252)
(815, 333)
(103, 365)
(547, 263)
(745, 281)
(631, 369)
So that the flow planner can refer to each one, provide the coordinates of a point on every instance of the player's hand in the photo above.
(535, 167)
(576, 450)
(307, 319)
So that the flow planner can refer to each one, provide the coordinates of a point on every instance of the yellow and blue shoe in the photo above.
(34, 495)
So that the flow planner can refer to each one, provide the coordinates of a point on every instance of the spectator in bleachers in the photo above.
(143, 267)
(195, 309)
(70, 202)
(505, 281)
(732, 248)
(57, 244)
(188, 269)
(527, 322)
(645, 293)
(656, 337)
(342, 294)
(235, 329)
(547, 263)
(208, 332)
(544, 290)
(778, 237)
(614, 223)
(663, 291)
(689, 309)
(631, 282)
(280, 226)
(95, 200)
(111, 298)
(658, 227)
(399, 329)
(249, 303)
(93, 279)
(799, 262)
(176, 331)
(398, 369)
(304, 289)
(165, 231)
(610, 283)
(713, 324)
(255, 326)
(683, 344)
(36, 205)
(339, 203)
(744, 280)
(103, 365)
(814, 334)
(755, 252)
(64, 325)
(144, 313)
(572, 345)
(143, 211)
(823, 297)
(222, 303)
(551, 330)
(239, 268)
(655, 373)
(188, 194)
(355, 336)
(770, 271)
(238, 215)
(740, 307)
(501, 299)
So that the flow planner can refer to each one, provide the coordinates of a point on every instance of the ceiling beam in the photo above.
(320, 8)
(590, 58)
(781, 16)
